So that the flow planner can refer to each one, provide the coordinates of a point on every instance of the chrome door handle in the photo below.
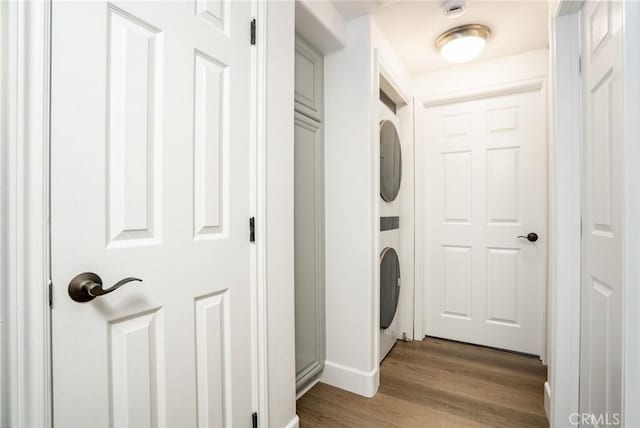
(531, 237)
(87, 286)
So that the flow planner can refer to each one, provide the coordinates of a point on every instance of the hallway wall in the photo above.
(352, 224)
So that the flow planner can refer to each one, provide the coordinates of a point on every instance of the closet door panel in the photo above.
(308, 80)
(309, 248)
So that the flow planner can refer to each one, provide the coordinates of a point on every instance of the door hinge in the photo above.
(580, 64)
(253, 31)
(254, 420)
(50, 294)
(252, 229)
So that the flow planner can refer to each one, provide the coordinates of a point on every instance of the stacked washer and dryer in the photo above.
(390, 180)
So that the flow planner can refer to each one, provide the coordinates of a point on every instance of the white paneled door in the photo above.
(150, 169)
(485, 181)
(602, 240)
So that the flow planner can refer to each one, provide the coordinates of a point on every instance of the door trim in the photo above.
(562, 386)
(487, 92)
(25, 355)
(631, 219)
(260, 334)
(25, 339)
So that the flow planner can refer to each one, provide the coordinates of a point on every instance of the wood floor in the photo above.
(437, 383)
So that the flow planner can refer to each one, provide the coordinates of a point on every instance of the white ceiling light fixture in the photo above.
(464, 43)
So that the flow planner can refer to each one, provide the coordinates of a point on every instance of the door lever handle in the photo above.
(531, 237)
(87, 286)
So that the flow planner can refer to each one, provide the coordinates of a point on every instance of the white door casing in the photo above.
(485, 185)
(602, 211)
(150, 168)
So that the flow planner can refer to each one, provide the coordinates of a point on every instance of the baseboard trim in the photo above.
(547, 400)
(350, 379)
(295, 423)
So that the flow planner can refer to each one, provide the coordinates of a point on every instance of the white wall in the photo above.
(464, 78)
(352, 217)
(279, 214)
(320, 23)
(390, 61)
(351, 225)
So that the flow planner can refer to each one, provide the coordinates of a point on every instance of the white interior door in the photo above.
(485, 180)
(150, 179)
(602, 237)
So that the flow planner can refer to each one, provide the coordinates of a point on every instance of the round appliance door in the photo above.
(390, 161)
(389, 286)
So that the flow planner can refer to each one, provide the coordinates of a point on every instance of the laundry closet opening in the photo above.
(395, 207)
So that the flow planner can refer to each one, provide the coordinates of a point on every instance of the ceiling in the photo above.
(412, 27)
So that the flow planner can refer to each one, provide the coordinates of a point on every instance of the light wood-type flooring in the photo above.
(437, 383)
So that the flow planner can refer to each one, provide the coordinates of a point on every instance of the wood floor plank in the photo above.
(441, 384)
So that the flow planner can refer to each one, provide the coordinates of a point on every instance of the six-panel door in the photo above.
(150, 152)
(602, 207)
(485, 173)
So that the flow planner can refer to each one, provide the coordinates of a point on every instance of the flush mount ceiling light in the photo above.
(464, 43)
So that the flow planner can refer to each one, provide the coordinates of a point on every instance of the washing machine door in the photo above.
(390, 161)
(389, 286)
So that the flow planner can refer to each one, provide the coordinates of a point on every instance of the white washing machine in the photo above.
(390, 275)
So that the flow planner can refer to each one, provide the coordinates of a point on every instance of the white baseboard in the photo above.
(295, 423)
(350, 379)
(547, 399)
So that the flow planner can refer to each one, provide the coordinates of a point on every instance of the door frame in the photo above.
(25, 312)
(631, 219)
(530, 85)
(562, 387)
(24, 214)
